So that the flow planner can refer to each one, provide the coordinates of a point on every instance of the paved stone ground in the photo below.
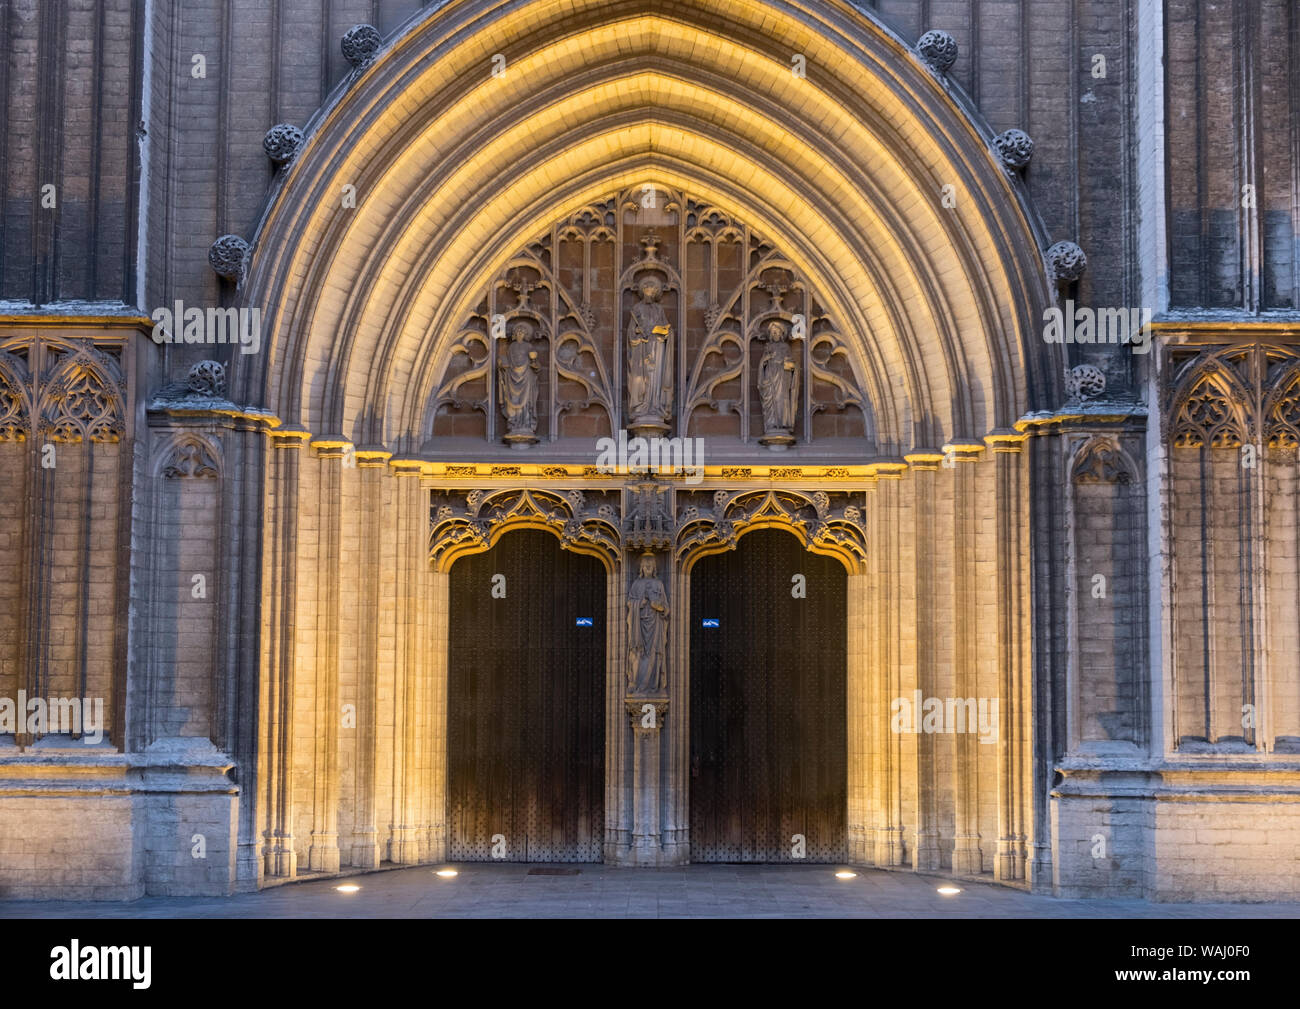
(731, 891)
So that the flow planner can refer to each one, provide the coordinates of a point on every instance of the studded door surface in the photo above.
(768, 704)
(526, 729)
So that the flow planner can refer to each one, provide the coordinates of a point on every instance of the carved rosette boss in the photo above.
(1014, 148)
(1067, 261)
(281, 143)
(228, 257)
(360, 45)
(939, 49)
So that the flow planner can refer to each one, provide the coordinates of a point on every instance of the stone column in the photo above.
(436, 729)
(926, 855)
(404, 844)
(647, 837)
(1012, 687)
(885, 532)
(323, 855)
(677, 775)
(372, 467)
(246, 534)
(278, 623)
(619, 790)
(966, 856)
(862, 787)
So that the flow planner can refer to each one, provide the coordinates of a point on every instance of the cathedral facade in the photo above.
(651, 432)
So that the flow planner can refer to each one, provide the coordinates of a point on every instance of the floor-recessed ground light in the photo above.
(348, 888)
(845, 874)
(950, 891)
(446, 873)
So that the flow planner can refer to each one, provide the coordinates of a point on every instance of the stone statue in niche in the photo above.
(649, 361)
(647, 631)
(517, 370)
(778, 388)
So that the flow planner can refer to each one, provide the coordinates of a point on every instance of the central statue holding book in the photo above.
(649, 360)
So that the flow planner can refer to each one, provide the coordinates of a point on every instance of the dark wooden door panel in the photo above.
(768, 704)
(526, 723)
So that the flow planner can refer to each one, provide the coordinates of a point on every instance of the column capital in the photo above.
(646, 713)
(1005, 439)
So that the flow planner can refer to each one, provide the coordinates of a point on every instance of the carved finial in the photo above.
(228, 257)
(651, 245)
(1067, 261)
(1015, 148)
(361, 44)
(522, 288)
(939, 49)
(281, 143)
(776, 292)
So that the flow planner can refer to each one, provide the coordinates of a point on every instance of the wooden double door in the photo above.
(526, 704)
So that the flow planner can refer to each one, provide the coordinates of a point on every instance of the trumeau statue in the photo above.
(517, 371)
(649, 359)
(778, 387)
(647, 631)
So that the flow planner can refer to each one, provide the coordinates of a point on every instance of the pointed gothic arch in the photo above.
(363, 303)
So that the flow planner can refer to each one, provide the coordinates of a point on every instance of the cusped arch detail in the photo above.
(1209, 405)
(824, 523)
(471, 522)
(187, 454)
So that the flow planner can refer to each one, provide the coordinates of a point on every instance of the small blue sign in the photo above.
(710, 622)
(584, 622)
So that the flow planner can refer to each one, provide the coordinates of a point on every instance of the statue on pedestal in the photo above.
(647, 632)
(517, 370)
(778, 387)
(649, 361)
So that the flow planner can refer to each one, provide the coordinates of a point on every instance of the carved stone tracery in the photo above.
(1101, 461)
(826, 523)
(472, 521)
(1210, 405)
(190, 457)
(1282, 410)
(81, 397)
(15, 399)
(721, 287)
